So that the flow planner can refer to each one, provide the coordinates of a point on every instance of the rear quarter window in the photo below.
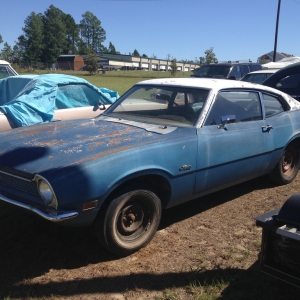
(272, 105)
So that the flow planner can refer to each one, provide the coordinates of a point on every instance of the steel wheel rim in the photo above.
(133, 220)
(288, 162)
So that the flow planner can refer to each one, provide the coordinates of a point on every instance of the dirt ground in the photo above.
(209, 241)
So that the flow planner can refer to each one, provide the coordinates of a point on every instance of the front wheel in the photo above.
(129, 222)
(287, 168)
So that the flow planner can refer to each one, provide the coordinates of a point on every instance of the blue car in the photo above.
(164, 142)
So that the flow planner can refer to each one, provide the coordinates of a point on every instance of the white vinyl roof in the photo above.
(3, 62)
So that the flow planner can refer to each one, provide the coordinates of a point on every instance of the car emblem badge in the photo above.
(185, 168)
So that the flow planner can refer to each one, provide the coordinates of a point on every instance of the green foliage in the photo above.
(49, 35)
(31, 42)
(7, 52)
(72, 35)
(82, 47)
(54, 34)
(17, 54)
(210, 56)
(91, 31)
(136, 53)
(91, 62)
(173, 67)
(111, 49)
(1, 40)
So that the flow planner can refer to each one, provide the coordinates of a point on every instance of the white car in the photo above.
(258, 76)
(6, 70)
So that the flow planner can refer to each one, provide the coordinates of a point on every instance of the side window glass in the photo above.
(236, 71)
(238, 106)
(289, 82)
(245, 69)
(3, 73)
(272, 105)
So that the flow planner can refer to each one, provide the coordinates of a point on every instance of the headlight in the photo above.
(45, 191)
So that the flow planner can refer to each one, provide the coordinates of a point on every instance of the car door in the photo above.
(234, 145)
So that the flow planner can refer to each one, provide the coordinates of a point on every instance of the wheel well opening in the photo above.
(157, 184)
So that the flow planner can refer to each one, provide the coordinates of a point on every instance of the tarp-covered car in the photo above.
(29, 99)
(164, 142)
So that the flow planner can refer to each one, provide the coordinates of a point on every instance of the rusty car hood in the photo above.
(52, 146)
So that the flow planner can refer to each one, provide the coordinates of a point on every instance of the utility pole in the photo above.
(276, 32)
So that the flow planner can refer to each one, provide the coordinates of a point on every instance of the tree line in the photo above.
(47, 36)
(54, 33)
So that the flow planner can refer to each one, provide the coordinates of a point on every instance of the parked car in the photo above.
(162, 143)
(286, 80)
(258, 76)
(6, 69)
(30, 99)
(226, 70)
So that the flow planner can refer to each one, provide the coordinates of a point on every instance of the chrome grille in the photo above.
(19, 183)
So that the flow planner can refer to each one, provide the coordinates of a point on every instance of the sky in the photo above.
(181, 29)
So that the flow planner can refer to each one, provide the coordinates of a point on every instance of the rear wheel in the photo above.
(287, 168)
(129, 222)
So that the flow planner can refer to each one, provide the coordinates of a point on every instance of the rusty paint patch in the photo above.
(75, 149)
(91, 146)
(50, 143)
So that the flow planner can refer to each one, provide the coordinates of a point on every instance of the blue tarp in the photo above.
(36, 102)
(11, 86)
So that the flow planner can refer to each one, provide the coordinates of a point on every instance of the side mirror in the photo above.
(101, 106)
(232, 77)
(225, 120)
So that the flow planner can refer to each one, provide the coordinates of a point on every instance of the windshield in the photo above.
(170, 106)
(213, 71)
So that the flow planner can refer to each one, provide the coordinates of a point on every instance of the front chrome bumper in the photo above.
(48, 216)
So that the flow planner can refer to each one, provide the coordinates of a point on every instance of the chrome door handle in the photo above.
(267, 128)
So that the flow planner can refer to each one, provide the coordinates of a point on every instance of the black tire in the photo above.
(287, 168)
(129, 221)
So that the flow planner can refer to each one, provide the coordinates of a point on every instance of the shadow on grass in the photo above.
(240, 284)
(189, 209)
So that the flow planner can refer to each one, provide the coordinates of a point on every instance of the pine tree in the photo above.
(91, 32)
(31, 42)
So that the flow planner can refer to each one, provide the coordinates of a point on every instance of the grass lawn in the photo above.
(119, 81)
